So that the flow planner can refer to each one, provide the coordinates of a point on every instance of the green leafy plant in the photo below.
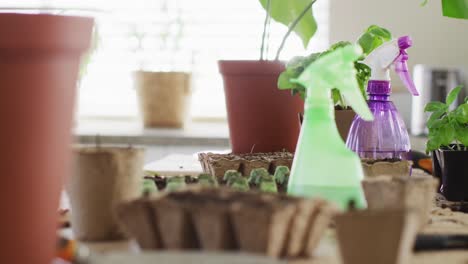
(296, 15)
(256, 175)
(207, 180)
(448, 126)
(373, 37)
(175, 183)
(281, 174)
(231, 174)
(268, 184)
(236, 181)
(148, 187)
(453, 8)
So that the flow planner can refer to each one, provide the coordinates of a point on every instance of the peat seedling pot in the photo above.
(40, 56)
(261, 117)
(164, 98)
(415, 193)
(376, 236)
(103, 177)
(451, 167)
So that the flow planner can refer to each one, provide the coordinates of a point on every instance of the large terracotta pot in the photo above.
(261, 117)
(164, 97)
(39, 61)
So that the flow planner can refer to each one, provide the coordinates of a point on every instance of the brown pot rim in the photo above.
(162, 72)
(44, 32)
(250, 67)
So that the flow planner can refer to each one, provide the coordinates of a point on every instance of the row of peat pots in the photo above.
(261, 117)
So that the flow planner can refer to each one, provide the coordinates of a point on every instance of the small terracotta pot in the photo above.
(103, 178)
(261, 117)
(164, 97)
(39, 61)
(344, 119)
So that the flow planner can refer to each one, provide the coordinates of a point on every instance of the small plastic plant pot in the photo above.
(451, 167)
(376, 236)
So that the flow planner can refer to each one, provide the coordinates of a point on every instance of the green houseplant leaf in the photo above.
(286, 11)
(453, 95)
(447, 126)
(373, 37)
(455, 8)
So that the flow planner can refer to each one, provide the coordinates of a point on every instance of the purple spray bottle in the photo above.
(386, 137)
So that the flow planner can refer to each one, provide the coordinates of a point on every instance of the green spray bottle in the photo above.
(323, 166)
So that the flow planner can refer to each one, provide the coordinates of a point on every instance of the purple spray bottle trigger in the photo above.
(401, 67)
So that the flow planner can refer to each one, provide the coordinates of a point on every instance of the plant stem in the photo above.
(291, 28)
(265, 25)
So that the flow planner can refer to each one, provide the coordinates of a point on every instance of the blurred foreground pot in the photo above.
(39, 61)
(261, 117)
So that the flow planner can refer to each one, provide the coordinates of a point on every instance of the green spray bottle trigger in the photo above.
(323, 166)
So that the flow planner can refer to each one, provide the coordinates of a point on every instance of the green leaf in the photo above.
(453, 95)
(373, 37)
(284, 81)
(286, 11)
(462, 134)
(446, 134)
(435, 106)
(466, 100)
(435, 117)
(432, 145)
(461, 113)
(455, 8)
(424, 2)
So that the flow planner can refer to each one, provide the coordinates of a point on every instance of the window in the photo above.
(174, 35)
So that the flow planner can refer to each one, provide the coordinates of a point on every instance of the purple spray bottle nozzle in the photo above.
(401, 67)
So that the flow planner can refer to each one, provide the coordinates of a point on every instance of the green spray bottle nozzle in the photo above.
(323, 166)
(335, 70)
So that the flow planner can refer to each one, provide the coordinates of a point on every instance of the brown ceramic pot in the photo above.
(261, 117)
(344, 119)
(164, 97)
(39, 61)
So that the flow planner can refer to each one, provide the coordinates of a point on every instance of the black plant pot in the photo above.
(451, 166)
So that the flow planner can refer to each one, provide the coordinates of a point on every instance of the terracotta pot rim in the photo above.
(251, 67)
(44, 32)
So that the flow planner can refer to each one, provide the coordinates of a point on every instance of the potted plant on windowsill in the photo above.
(262, 118)
(372, 38)
(163, 92)
(448, 142)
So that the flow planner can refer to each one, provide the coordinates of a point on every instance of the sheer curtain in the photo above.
(172, 35)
